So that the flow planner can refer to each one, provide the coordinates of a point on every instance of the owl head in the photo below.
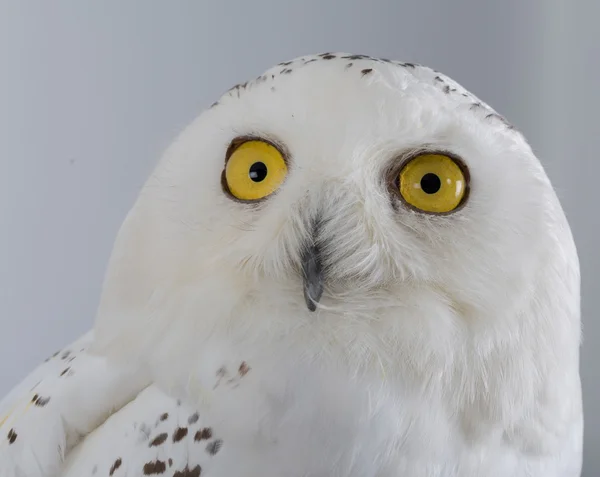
(370, 199)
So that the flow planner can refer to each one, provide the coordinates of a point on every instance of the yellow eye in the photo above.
(254, 170)
(433, 183)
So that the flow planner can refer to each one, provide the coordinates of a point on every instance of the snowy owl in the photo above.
(348, 266)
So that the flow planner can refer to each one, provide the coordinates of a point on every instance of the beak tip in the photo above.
(311, 303)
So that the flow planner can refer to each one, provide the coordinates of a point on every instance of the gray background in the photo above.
(92, 92)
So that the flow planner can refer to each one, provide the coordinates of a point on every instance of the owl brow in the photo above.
(237, 141)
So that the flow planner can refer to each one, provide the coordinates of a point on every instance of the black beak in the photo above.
(312, 271)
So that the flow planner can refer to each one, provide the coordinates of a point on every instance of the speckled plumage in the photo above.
(444, 346)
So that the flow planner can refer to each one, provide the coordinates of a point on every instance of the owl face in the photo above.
(341, 175)
(341, 184)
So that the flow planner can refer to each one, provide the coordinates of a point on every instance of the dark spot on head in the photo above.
(328, 57)
(65, 371)
(356, 57)
(385, 60)
(272, 89)
(221, 372)
(158, 440)
(195, 472)
(286, 71)
(115, 466)
(179, 434)
(349, 65)
(193, 418)
(41, 401)
(409, 65)
(203, 434)
(11, 436)
(272, 76)
(56, 354)
(453, 90)
(65, 355)
(501, 119)
(476, 105)
(216, 103)
(154, 468)
(170, 462)
(179, 402)
(285, 63)
(243, 369)
(164, 416)
(215, 446)
(465, 95)
(447, 89)
(366, 71)
(310, 61)
(437, 78)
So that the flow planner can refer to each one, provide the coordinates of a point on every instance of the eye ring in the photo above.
(394, 186)
(281, 154)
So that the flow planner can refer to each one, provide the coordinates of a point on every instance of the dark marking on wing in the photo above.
(40, 401)
(213, 447)
(243, 369)
(154, 468)
(158, 440)
(195, 472)
(203, 434)
(115, 466)
(179, 434)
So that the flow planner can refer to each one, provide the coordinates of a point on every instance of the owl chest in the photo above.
(301, 410)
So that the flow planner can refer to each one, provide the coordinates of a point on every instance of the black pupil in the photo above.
(258, 172)
(430, 183)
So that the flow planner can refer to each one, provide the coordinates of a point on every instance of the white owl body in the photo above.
(443, 345)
